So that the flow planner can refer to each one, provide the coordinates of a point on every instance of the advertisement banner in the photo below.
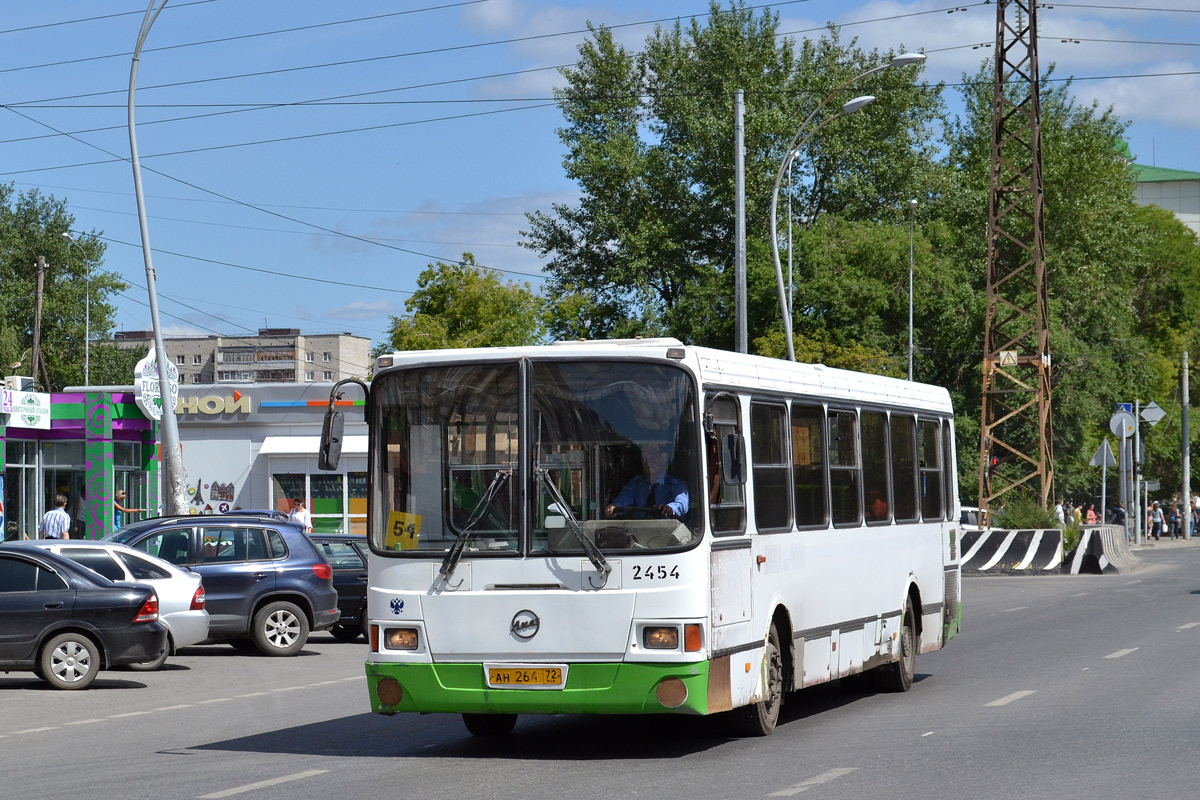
(30, 410)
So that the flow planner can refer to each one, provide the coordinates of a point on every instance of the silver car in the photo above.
(180, 591)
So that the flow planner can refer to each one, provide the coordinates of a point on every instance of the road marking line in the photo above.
(129, 714)
(1003, 701)
(216, 700)
(287, 688)
(1018, 608)
(1120, 653)
(816, 780)
(253, 694)
(1134, 583)
(35, 730)
(1079, 594)
(84, 721)
(1187, 626)
(174, 708)
(923, 735)
(250, 787)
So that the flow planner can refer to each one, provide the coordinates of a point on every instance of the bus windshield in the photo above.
(528, 457)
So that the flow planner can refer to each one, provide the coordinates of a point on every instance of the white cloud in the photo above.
(359, 310)
(494, 15)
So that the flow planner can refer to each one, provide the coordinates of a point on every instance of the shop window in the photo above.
(284, 487)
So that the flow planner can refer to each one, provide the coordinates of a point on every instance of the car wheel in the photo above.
(280, 629)
(150, 666)
(346, 633)
(69, 661)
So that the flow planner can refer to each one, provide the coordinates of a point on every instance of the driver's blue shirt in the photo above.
(669, 490)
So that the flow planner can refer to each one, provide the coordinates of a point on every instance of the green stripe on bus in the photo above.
(611, 688)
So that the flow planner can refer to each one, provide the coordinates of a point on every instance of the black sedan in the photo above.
(347, 554)
(65, 623)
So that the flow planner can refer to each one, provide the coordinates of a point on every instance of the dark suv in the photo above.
(266, 585)
(347, 553)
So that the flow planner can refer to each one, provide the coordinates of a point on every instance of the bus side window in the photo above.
(949, 468)
(811, 487)
(904, 467)
(875, 467)
(728, 510)
(844, 473)
(768, 446)
(929, 449)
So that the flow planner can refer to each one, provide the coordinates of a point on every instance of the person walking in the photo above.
(1091, 514)
(57, 522)
(1118, 518)
(1173, 528)
(1077, 513)
(119, 510)
(1156, 521)
(300, 516)
(1059, 513)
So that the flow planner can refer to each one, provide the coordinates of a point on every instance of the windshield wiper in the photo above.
(456, 549)
(593, 553)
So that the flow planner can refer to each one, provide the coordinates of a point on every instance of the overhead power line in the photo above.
(94, 19)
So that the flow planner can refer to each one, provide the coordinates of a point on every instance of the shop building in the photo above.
(83, 445)
(254, 446)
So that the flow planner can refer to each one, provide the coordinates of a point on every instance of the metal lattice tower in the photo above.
(1015, 436)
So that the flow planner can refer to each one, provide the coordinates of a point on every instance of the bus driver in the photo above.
(656, 488)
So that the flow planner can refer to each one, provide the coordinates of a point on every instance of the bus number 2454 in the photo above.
(655, 572)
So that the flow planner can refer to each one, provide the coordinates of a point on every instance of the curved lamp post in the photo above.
(799, 140)
(87, 311)
(174, 498)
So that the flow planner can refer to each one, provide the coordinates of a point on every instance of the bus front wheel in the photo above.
(490, 724)
(759, 719)
(898, 677)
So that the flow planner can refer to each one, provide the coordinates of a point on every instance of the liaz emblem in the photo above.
(397, 606)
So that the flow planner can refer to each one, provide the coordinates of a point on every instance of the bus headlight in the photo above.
(400, 639)
(660, 637)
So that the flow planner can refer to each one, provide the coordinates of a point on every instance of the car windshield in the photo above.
(606, 450)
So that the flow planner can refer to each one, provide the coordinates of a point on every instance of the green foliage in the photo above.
(32, 225)
(1071, 533)
(465, 305)
(648, 137)
(1023, 512)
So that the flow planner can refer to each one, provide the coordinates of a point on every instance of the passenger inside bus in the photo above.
(654, 490)
(877, 510)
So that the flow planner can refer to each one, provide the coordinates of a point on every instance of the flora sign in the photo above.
(146, 390)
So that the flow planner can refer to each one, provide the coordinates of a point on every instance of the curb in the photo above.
(1025, 552)
(1104, 551)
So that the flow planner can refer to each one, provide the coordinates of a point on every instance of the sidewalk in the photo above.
(1166, 543)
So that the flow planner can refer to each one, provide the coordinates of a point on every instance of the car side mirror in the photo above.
(331, 440)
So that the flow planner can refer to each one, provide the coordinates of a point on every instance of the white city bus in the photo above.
(522, 562)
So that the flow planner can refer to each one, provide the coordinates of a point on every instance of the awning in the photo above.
(309, 445)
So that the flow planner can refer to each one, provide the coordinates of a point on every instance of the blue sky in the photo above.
(320, 216)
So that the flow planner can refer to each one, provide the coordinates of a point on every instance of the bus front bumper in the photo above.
(608, 688)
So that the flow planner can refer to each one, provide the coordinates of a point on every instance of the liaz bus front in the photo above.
(537, 529)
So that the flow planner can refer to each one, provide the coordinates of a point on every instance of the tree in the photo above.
(649, 247)
(466, 305)
(32, 225)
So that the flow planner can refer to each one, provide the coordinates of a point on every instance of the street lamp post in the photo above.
(798, 141)
(912, 205)
(174, 496)
(87, 311)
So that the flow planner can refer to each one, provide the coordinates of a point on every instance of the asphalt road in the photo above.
(1058, 687)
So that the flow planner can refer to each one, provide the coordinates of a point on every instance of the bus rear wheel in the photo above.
(898, 677)
(759, 719)
(490, 724)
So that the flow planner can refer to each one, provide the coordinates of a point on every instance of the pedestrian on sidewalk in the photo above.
(57, 522)
(1156, 521)
(1118, 518)
(1091, 514)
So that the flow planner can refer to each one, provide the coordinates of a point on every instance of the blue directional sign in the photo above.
(1126, 407)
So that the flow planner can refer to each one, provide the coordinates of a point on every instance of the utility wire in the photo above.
(94, 19)
(243, 36)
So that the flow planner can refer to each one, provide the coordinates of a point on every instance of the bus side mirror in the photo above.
(331, 440)
(733, 460)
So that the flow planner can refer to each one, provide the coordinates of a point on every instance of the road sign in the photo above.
(1126, 407)
(1152, 486)
(1008, 358)
(1152, 413)
(1104, 456)
(1122, 424)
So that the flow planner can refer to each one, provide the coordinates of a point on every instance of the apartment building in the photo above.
(275, 355)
